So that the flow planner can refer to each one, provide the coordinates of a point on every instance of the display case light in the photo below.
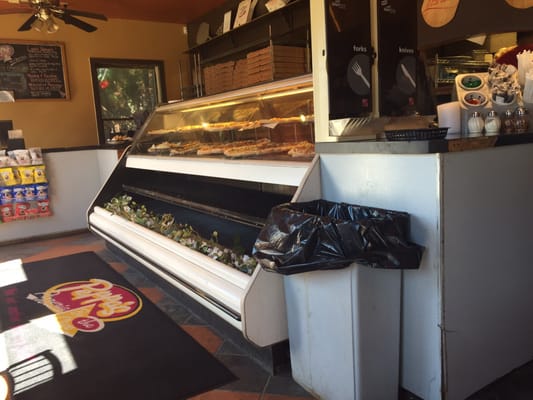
(288, 93)
(207, 107)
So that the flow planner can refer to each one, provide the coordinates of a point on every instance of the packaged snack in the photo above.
(6, 211)
(30, 192)
(36, 155)
(7, 177)
(39, 174)
(21, 209)
(43, 207)
(22, 156)
(26, 174)
(6, 195)
(41, 191)
(12, 161)
(4, 161)
(19, 194)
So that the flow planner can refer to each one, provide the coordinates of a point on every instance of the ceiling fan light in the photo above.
(38, 25)
(51, 26)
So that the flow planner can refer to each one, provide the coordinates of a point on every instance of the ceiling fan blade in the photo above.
(86, 14)
(77, 22)
(67, 11)
(26, 26)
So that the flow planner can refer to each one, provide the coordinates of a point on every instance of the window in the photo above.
(125, 92)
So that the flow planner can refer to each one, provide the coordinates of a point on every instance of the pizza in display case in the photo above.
(274, 120)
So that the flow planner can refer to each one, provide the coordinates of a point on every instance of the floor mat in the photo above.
(73, 328)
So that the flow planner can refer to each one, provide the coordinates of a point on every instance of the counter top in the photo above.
(378, 146)
(423, 146)
(81, 148)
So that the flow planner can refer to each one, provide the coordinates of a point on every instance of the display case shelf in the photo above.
(266, 171)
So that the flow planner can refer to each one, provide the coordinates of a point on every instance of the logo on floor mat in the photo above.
(86, 305)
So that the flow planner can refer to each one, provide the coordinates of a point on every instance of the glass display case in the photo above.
(211, 169)
(273, 120)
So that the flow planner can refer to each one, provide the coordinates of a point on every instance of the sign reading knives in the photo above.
(408, 75)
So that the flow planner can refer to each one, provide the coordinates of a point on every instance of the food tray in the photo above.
(416, 134)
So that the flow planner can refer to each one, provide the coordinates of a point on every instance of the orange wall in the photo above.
(70, 123)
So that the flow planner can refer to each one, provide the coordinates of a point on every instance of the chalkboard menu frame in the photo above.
(34, 70)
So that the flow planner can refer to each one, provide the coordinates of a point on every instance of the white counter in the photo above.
(466, 317)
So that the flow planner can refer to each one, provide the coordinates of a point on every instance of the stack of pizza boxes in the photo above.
(275, 62)
(218, 78)
(23, 185)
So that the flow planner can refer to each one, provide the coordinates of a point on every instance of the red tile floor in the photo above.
(254, 382)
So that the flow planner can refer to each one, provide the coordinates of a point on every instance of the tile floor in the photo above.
(254, 382)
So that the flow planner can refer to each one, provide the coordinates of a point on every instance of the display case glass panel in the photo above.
(274, 120)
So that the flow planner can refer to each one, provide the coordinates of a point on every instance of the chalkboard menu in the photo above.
(33, 70)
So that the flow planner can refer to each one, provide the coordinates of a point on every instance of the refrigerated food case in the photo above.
(213, 168)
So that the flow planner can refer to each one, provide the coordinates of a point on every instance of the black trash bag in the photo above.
(321, 235)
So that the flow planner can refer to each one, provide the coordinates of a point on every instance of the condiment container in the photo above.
(492, 123)
(475, 124)
(521, 121)
(508, 122)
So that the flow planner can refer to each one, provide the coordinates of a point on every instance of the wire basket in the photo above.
(417, 134)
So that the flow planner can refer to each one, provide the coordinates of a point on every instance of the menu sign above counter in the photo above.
(33, 70)
(445, 21)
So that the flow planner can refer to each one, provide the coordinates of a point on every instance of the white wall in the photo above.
(74, 177)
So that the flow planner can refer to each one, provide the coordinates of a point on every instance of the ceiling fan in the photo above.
(44, 11)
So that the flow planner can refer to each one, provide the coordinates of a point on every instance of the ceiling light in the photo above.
(51, 26)
(38, 25)
(45, 22)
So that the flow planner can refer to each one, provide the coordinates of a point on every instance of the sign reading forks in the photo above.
(349, 57)
(358, 74)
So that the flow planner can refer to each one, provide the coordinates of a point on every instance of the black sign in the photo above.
(33, 70)
(397, 61)
(350, 60)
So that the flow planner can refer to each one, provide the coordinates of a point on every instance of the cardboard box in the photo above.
(218, 78)
(275, 62)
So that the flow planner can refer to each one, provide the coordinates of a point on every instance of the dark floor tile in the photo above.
(193, 319)
(176, 312)
(229, 349)
(136, 279)
(252, 378)
(284, 385)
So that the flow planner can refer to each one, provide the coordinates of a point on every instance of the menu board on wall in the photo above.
(33, 70)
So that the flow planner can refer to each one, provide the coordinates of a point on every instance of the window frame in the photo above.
(96, 63)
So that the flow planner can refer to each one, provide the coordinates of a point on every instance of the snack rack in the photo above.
(23, 186)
